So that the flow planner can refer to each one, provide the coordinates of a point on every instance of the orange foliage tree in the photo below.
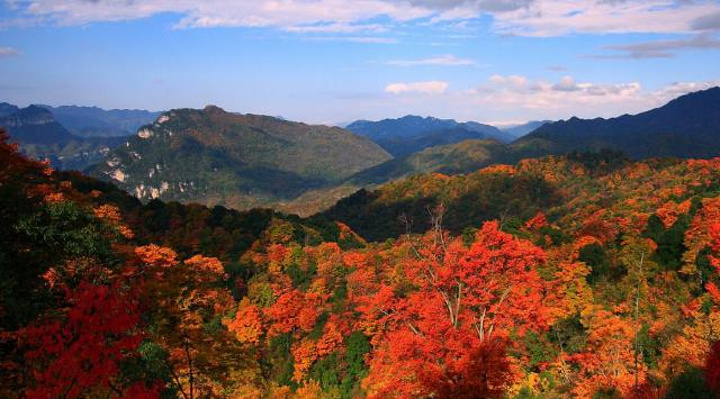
(188, 305)
(441, 315)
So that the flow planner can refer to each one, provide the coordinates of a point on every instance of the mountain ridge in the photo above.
(409, 134)
(685, 127)
(92, 121)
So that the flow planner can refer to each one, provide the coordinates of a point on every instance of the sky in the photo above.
(334, 61)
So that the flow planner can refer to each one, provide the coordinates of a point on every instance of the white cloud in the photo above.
(519, 98)
(562, 17)
(8, 52)
(355, 39)
(431, 87)
(662, 48)
(441, 60)
(478, 5)
(520, 92)
(567, 83)
(276, 13)
(336, 28)
(515, 81)
(517, 17)
(677, 89)
(222, 13)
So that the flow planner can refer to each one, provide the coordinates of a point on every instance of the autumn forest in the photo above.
(602, 281)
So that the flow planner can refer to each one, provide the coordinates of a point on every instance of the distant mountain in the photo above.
(97, 122)
(402, 147)
(687, 127)
(41, 136)
(241, 161)
(518, 131)
(35, 125)
(490, 132)
(409, 134)
(7, 109)
(405, 127)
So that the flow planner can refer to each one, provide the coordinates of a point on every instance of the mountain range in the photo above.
(409, 134)
(687, 127)
(70, 137)
(97, 122)
(33, 125)
(243, 161)
(40, 136)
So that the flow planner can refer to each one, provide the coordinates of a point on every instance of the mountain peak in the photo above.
(213, 109)
(35, 110)
(35, 125)
(7, 109)
(416, 117)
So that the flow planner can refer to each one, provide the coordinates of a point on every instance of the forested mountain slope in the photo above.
(241, 161)
(463, 157)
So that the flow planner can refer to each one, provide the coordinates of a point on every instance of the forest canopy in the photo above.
(597, 278)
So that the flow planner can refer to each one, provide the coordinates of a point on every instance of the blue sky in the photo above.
(333, 61)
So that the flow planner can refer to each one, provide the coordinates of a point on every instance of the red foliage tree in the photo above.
(485, 373)
(292, 309)
(83, 349)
